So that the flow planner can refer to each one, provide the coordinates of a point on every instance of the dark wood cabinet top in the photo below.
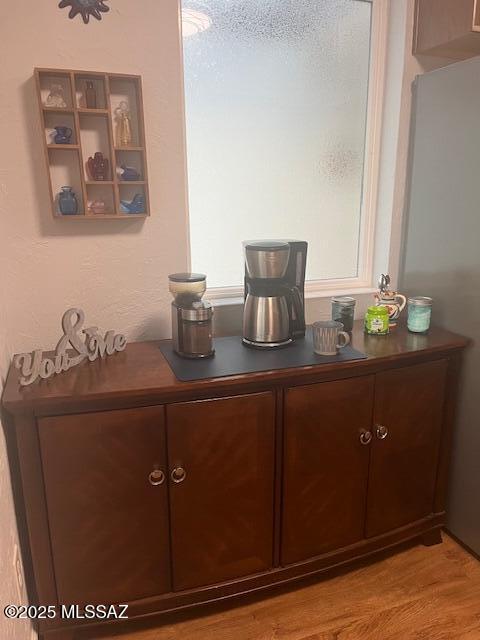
(140, 375)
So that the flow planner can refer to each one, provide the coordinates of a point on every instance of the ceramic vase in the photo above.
(67, 202)
(393, 302)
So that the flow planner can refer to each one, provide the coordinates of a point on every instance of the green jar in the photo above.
(377, 321)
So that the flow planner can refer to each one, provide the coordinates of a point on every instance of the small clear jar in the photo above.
(343, 310)
(419, 314)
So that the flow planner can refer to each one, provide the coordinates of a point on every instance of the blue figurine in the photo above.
(63, 135)
(137, 205)
(129, 173)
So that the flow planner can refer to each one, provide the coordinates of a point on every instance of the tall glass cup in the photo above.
(343, 310)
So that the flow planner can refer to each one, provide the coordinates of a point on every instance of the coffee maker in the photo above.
(274, 312)
(191, 316)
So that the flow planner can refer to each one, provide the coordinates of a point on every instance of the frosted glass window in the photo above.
(276, 102)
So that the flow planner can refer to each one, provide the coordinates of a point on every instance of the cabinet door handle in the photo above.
(381, 432)
(365, 437)
(156, 477)
(178, 475)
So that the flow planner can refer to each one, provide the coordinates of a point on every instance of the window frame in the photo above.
(364, 281)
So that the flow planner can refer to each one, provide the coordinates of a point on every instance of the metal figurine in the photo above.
(394, 302)
(91, 345)
(85, 8)
(124, 124)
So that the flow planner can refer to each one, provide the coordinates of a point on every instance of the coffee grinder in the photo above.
(192, 317)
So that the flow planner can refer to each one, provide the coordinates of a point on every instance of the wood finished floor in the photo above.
(422, 593)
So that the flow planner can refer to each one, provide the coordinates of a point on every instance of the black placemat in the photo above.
(233, 358)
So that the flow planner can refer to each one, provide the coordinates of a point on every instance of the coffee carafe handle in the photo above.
(298, 306)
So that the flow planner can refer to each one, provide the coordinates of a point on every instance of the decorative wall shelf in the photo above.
(93, 130)
(68, 147)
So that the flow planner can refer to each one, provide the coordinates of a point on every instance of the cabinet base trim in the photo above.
(154, 608)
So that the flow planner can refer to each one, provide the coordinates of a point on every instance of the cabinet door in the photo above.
(408, 418)
(325, 466)
(221, 460)
(108, 523)
(447, 28)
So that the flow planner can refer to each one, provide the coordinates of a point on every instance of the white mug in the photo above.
(326, 334)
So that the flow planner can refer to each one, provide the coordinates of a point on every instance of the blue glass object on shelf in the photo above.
(129, 173)
(419, 314)
(63, 135)
(67, 202)
(137, 205)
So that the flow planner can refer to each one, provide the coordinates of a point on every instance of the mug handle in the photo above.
(346, 339)
(403, 301)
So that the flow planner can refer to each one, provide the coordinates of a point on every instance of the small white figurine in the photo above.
(56, 97)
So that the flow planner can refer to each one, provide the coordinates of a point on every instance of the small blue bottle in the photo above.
(67, 202)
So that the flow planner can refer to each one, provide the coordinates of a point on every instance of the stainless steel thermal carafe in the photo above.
(274, 277)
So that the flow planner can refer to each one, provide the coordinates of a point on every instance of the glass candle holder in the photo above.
(419, 314)
(343, 310)
(377, 322)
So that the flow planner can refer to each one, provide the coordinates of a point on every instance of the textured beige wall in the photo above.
(9, 629)
(9, 593)
(115, 270)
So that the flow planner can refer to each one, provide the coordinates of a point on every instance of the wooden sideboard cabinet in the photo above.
(408, 416)
(140, 489)
(109, 529)
(347, 474)
(110, 516)
(447, 28)
(221, 505)
(328, 437)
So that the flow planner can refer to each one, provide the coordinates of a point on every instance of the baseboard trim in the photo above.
(464, 546)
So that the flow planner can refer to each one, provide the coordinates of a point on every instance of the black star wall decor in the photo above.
(85, 8)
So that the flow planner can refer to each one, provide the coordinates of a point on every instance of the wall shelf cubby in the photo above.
(67, 147)
(57, 110)
(88, 112)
